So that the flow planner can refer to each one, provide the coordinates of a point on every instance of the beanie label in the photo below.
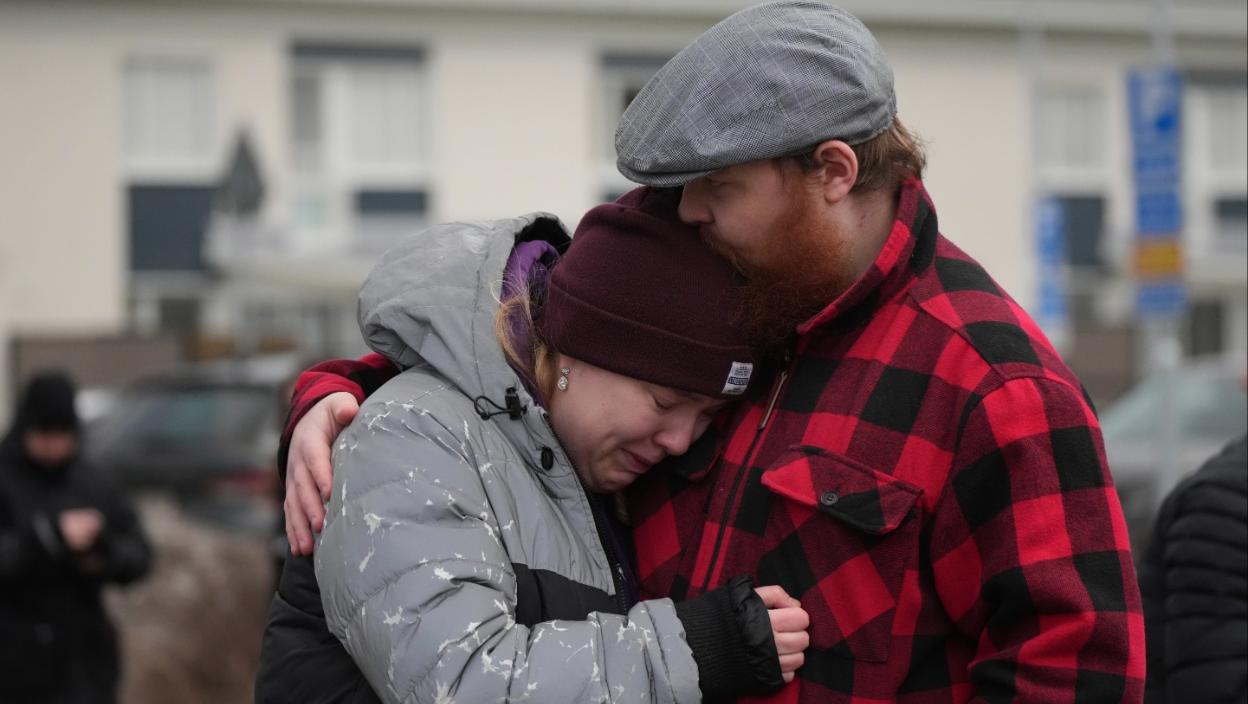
(738, 378)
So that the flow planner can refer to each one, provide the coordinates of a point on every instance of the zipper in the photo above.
(601, 527)
(775, 396)
(608, 546)
(749, 455)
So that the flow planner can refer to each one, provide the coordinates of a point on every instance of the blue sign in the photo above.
(1160, 299)
(1158, 213)
(1155, 96)
(1050, 310)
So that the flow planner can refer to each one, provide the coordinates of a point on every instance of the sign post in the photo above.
(1155, 96)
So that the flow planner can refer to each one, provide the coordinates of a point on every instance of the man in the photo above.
(924, 474)
(64, 534)
(1194, 576)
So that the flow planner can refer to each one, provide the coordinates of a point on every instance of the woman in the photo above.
(468, 553)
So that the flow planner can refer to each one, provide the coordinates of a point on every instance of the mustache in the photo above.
(733, 257)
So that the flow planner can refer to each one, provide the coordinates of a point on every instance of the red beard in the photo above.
(801, 273)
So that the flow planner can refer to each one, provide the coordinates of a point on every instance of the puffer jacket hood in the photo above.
(412, 308)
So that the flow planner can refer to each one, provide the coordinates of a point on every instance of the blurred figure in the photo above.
(1194, 580)
(64, 534)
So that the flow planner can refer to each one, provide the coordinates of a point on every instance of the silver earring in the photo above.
(563, 379)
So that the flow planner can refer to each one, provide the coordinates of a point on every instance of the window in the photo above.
(1072, 153)
(1206, 327)
(167, 226)
(1228, 162)
(171, 158)
(360, 140)
(1084, 227)
(168, 119)
(1072, 158)
(384, 114)
(1215, 181)
(1228, 124)
(623, 76)
(1071, 132)
(1230, 217)
(1216, 165)
(171, 161)
(306, 112)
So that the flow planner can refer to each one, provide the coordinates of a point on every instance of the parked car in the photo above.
(1209, 409)
(207, 435)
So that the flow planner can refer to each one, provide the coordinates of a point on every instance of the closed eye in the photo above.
(661, 405)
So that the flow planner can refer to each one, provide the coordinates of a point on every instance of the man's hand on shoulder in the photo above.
(309, 473)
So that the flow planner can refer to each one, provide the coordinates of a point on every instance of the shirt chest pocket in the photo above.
(851, 532)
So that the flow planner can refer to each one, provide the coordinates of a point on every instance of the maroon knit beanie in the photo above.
(640, 294)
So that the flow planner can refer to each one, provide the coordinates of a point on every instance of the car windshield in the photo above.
(167, 416)
(1207, 406)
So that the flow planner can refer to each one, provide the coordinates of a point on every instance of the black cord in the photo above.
(512, 409)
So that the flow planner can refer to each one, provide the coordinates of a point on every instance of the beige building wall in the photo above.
(61, 256)
(961, 92)
(503, 144)
(62, 261)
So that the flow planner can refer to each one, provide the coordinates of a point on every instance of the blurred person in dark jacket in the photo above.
(1194, 580)
(65, 532)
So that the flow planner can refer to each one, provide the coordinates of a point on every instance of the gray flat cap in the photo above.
(772, 80)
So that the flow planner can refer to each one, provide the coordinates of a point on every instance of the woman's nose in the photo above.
(676, 436)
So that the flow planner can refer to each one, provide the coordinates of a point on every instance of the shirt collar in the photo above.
(908, 249)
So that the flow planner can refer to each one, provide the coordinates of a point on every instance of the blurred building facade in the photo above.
(347, 124)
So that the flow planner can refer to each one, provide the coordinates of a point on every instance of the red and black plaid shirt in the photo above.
(926, 475)
(930, 482)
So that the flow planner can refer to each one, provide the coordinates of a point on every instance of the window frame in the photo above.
(333, 185)
(617, 70)
(197, 166)
(1205, 182)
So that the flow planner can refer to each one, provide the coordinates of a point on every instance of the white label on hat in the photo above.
(738, 378)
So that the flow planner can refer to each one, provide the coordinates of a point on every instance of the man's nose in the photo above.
(692, 209)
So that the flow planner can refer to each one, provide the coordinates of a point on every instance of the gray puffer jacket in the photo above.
(453, 542)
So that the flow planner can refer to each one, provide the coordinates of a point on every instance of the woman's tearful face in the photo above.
(615, 428)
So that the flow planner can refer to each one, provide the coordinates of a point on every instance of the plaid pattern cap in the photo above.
(772, 80)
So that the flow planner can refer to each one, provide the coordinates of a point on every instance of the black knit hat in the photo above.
(48, 403)
(640, 294)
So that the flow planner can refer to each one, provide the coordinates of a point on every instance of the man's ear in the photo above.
(837, 169)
